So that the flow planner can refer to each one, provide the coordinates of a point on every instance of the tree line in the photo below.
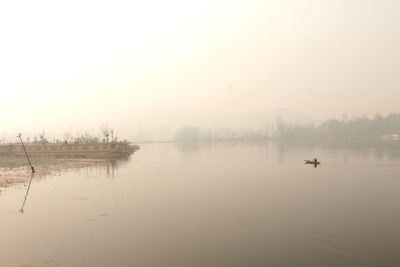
(357, 129)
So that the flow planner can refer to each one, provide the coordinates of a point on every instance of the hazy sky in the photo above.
(123, 62)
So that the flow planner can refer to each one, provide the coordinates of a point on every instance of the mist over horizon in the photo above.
(146, 66)
(212, 133)
(173, 119)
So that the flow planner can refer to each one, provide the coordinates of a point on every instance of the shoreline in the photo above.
(16, 170)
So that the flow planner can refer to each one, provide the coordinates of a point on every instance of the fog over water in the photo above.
(227, 100)
(210, 205)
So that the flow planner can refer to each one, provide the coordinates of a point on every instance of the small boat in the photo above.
(314, 162)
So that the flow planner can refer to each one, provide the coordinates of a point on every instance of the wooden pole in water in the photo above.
(26, 154)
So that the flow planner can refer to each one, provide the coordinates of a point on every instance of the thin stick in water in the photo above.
(26, 154)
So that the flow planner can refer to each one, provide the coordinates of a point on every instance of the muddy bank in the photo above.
(14, 170)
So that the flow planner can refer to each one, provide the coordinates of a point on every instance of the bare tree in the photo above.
(105, 130)
(68, 135)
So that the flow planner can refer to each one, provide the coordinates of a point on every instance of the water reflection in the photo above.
(362, 151)
(111, 165)
(26, 193)
(288, 151)
(314, 164)
(213, 205)
(107, 166)
(188, 148)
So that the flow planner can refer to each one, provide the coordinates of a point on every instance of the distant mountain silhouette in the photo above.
(166, 120)
(237, 120)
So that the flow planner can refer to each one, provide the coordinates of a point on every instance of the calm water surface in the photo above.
(210, 205)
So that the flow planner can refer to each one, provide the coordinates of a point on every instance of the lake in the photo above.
(210, 205)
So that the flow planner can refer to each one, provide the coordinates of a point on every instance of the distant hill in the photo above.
(166, 121)
(238, 120)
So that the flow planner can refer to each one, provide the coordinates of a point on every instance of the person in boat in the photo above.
(315, 161)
